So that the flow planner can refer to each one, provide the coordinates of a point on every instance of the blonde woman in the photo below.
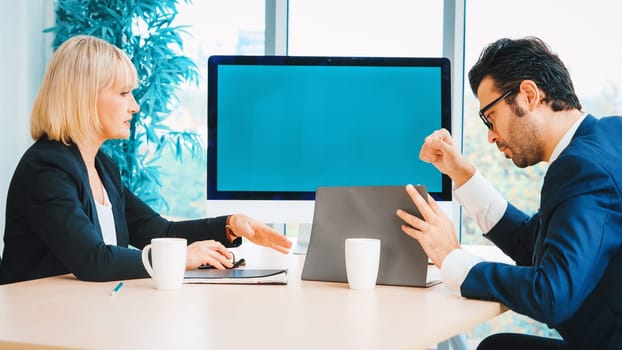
(67, 210)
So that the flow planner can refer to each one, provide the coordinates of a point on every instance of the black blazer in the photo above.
(52, 226)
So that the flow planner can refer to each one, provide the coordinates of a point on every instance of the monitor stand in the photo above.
(302, 242)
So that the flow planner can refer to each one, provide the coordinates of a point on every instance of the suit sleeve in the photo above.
(58, 217)
(515, 234)
(144, 224)
(580, 220)
(58, 198)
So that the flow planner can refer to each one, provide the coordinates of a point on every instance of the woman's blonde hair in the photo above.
(65, 108)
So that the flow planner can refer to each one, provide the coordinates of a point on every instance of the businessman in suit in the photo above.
(568, 255)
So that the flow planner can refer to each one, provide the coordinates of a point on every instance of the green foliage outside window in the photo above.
(142, 28)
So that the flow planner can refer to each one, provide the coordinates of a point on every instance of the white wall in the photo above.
(25, 51)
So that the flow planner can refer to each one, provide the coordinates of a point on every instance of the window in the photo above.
(583, 35)
(393, 28)
(365, 28)
(214, 27)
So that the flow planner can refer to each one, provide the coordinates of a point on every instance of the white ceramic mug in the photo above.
(362, 261)
(168, 262)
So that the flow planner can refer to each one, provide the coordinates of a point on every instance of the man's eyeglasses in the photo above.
(482, 112)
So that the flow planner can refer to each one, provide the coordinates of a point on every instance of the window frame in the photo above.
(276, 38)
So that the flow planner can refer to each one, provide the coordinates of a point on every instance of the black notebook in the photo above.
(237, 276)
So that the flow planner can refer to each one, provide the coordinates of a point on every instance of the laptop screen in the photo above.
(365, 212)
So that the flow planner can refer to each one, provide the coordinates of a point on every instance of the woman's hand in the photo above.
(259, 233)
(208, 253)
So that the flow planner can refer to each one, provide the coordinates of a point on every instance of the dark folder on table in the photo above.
(365, 212)
(237, 276)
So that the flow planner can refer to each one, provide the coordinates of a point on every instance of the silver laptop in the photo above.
(367, 212)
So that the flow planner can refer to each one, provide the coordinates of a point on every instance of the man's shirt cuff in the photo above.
(456, 266)
(481, 201)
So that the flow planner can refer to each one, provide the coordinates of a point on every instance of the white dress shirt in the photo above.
(106, 220)
(486, 206)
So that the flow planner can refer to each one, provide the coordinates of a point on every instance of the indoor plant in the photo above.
(144, 30)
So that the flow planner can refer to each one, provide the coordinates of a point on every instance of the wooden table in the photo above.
(64, 312)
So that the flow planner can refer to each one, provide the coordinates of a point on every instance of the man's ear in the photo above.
(533, 95)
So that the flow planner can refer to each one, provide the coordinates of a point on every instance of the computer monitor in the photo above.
(279, 127)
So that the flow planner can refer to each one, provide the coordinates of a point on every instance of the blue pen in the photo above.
(116, 289)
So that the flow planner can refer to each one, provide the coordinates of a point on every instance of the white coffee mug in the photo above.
(168, 262)
(362, 261)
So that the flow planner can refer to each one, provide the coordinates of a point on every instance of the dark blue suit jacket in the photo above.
(568, 255)
(52, 227)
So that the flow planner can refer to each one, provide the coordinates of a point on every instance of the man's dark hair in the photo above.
(508, 62)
